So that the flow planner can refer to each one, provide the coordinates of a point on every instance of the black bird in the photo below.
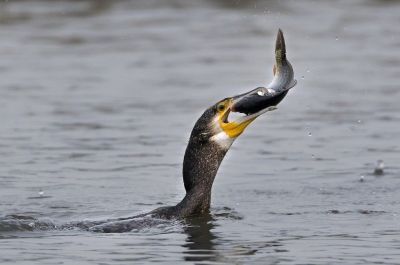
(211, 138)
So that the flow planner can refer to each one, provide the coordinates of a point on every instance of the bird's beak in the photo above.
(248, 107)
(262, 99)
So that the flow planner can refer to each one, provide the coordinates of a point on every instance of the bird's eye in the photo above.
(220, 107)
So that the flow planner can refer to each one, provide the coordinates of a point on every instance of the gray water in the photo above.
(98, 99)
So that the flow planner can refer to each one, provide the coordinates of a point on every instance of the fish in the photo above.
(268, 97)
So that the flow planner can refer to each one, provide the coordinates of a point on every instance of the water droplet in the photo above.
(359, 121)
(336, 38)
(308, 70)
(41, 193)
(309, 134)
(362, 178)
(302, 77)
(313, 156)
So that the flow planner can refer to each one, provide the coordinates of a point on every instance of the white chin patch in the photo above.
(223, 140)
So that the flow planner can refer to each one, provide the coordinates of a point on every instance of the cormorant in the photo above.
(211, 138)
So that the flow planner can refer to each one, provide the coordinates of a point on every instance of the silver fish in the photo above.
(269, 96)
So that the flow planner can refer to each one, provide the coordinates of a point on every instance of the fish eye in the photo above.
(220, 106)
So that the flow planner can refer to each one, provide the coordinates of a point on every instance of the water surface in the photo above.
(98, 100)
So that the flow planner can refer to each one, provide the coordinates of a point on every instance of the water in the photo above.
(98, 100)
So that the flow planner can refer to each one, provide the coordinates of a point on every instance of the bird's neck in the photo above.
(196, 202)
(200, 166)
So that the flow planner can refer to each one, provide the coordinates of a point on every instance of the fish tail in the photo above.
(280, 49)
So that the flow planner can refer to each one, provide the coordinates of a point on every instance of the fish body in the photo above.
(269, 96)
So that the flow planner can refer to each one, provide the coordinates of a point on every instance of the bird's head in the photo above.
(226, 120)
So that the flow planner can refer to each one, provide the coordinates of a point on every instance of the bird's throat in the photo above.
(200, 166)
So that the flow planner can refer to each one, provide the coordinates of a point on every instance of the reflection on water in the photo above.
(98, 99)
(204, 245)
(200, 239)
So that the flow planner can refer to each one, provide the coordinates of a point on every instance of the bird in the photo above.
(211, 138)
